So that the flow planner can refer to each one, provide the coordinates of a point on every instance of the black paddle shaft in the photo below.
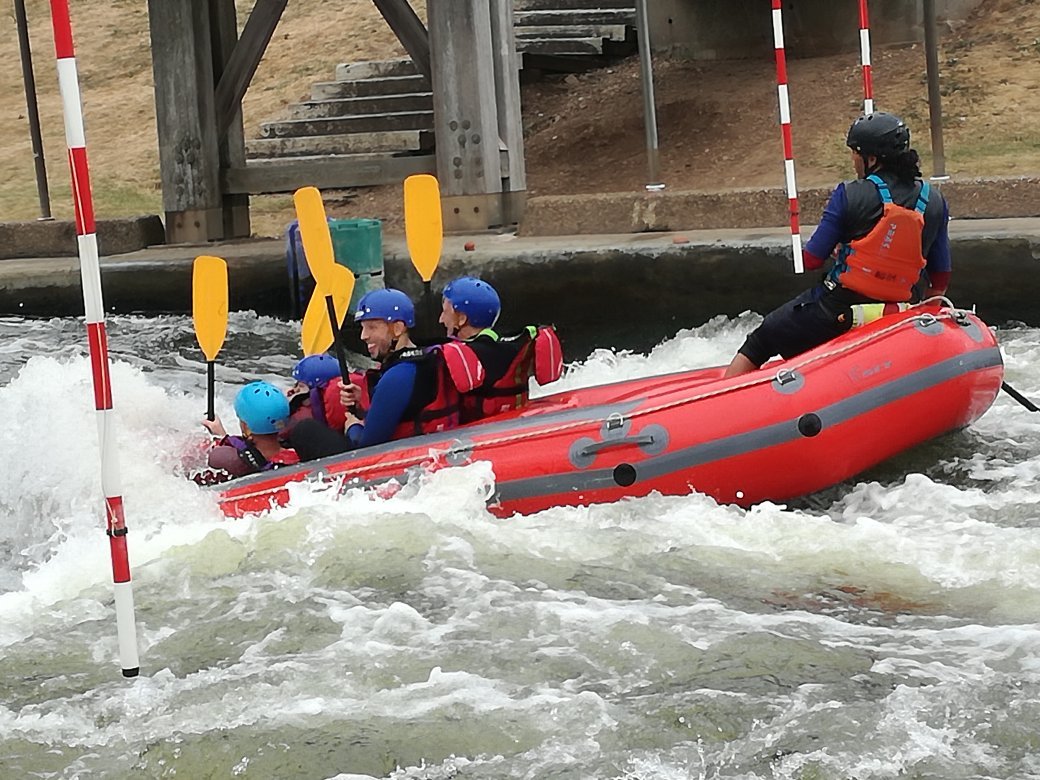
(428, 328)
(341, 355)
(211, 383)
(1019, 397)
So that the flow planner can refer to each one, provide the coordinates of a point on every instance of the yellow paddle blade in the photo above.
(314, 233)
(209, 303)
(422, 223)
(316, 336)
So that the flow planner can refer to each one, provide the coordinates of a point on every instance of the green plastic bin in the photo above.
(358, 244)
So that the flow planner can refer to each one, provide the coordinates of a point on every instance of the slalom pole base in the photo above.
(132, 672)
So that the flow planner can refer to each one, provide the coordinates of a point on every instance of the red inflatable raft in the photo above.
(789, 429)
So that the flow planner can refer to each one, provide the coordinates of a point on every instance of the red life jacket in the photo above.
(440, 413)
(535, 352)
(251, 455)
(885, 264)
(284, 457)
(335, 414)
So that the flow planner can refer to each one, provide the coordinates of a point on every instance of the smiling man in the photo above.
(408, 394)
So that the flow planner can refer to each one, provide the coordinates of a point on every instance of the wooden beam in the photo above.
(410, 31)
(245, 58)
(507, 95)
(464, 106)
(231, 142)
(189, 164)
(480, 148)
(334, 172)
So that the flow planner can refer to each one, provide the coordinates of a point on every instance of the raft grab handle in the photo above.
(788, 381)
(652, 440)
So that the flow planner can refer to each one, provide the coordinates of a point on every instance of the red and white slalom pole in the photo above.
(90, 272)
(785, 129)
(864, 58)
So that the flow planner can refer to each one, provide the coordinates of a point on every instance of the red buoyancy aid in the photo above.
(548, 356)
(284, 457)
(441, 413)
(885, 264)
(537, 354)
(251, 455)
(335, 414)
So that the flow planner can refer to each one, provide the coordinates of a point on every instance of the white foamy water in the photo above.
(886, 627)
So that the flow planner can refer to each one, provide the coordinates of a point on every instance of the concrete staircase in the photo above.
(584, 30)
(374, 123)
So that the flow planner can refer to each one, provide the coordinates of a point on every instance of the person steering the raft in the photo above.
(409, 393)
(889, 230)
(263, 411)
(492, 371)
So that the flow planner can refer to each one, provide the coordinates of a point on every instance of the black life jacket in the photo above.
(434, 405)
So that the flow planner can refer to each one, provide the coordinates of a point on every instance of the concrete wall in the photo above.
(736, 29)
(57, 237)
(621, 292)
(642, 212)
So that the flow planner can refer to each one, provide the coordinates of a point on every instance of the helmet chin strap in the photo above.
(394, 341)
(870, 169)
(457, 328)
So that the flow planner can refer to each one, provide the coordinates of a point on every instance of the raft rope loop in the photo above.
(68, 82)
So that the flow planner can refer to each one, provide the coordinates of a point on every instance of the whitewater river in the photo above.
(885, 628)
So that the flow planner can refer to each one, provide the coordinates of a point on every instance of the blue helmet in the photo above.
(262, 406)
(475, 298)
(316, 370)
(390, 305)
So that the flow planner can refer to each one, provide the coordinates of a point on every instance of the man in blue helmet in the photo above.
(492, 371)
(889, 231)
(408, 394)
(263, 412)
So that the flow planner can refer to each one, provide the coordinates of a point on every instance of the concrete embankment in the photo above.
(637, 212)
(622, 291)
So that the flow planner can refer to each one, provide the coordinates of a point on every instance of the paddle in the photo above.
(317, 336)
(1019, 397)
(209, 312)
(317, 248)
(424, 230)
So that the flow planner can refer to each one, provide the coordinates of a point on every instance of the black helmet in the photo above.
(879, 134)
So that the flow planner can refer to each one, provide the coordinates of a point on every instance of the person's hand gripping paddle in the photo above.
(333, 283)
(209, 283)
(424, 230)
